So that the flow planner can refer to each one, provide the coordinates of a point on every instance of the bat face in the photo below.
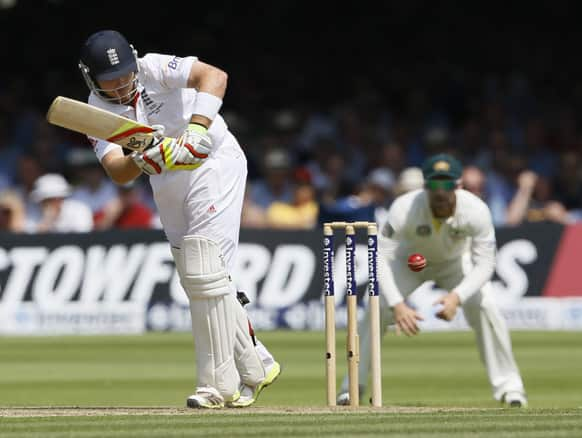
(96, 122)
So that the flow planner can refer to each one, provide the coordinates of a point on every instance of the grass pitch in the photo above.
(434, 386)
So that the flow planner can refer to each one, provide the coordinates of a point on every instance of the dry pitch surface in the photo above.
(73, 411)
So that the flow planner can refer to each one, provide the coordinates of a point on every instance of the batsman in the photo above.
(198, 182)
(452, 228)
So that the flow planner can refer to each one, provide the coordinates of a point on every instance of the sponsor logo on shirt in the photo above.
(152, 107)
(457, 233)
(423, 230)
(173, 64)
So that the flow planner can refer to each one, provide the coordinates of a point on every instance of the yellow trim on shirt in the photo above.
(436, 224)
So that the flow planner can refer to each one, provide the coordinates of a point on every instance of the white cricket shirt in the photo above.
(411, 228)
(163, 100)
(206, 201)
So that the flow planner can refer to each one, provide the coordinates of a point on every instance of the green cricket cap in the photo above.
(443, 166)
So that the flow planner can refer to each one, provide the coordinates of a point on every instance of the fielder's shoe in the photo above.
(343, 399)
(250, 394)
(207, 398)
(515, 399)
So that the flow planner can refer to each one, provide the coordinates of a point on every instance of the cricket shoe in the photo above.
(515, 399)
(344, 398)
(250, 394)
(207, 397)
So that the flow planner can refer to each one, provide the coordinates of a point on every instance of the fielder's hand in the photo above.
(450, 302)
(405, 318)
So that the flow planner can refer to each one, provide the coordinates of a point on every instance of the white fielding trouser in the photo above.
(482, 314)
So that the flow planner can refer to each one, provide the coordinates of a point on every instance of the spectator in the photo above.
(276, 184)
(356, 206)
(380, 185)
(59, 213)
(409, 179)
(253, 215)
(567, 184)
(503, 122)
(326, 166)
(300, 214)
(380, 188)
(93, 188)
(540, 158)
(328, 171)
(532, 202)
(125, 211)
(500, 186)
(28, 171)
(392, 158)
(473, 180)
(12, 216)
(9, 154)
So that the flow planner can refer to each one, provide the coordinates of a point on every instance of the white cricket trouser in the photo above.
(480, 311)
(208, 202)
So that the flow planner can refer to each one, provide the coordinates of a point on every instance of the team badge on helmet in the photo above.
(106, 55)
(441, 166)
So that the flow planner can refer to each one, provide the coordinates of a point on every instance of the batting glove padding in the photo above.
(195, 147)
(165, 153)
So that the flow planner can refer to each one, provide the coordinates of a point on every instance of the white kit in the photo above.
(200, 212)
(460, 254)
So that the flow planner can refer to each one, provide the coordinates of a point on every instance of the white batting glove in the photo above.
(197, 142)
(167, 153)
(151, 160)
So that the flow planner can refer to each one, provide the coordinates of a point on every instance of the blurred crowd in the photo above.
(307, 165)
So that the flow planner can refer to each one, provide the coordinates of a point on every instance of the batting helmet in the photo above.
(106, 55)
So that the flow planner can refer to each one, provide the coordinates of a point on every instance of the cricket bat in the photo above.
(96, 122)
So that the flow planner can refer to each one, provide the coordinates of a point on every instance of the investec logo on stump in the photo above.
(372, 264)
(327, 265)
(350, 248)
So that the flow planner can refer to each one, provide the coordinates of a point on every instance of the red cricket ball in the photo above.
(416, 262)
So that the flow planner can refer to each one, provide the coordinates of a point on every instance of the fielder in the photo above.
(198, 183)
(452, 228)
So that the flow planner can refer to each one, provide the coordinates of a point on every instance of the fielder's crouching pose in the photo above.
(452, 228)
(198, 183)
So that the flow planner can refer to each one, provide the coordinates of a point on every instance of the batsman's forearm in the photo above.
(121, 169)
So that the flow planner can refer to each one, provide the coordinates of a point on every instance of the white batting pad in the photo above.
(248, 361)
(201, 267)
(214, 328)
